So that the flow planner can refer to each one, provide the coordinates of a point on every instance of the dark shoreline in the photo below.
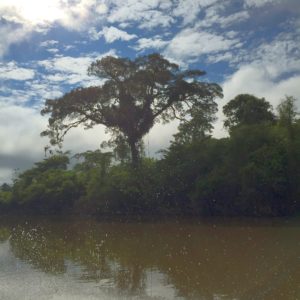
(122, 218)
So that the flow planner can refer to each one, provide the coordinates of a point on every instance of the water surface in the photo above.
(42, 258)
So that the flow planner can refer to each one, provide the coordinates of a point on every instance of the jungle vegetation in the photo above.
(255, 171)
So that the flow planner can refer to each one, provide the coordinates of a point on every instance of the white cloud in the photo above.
(227, 56)
(188, 10)
(259, 3)
(248, 79)
(217, 15)
(148, 13)
(70, 64)
(31, 12)
(19, 130)
(112, 34)
(160, 137)
(48, 43)
(280, 56)
(11, 71)
(72, 70)
(56, 77)
(148, 43)
(72, 14)
(213, 14)
(231, 34)
(191, 43)
(34, 92)
(51, 83)
(15, 97)
(234, 18)
(42, 90)
(25, 17)
(67, 64)
(53, 50)
(68, 47)
(13, 34)
(84, 13)
(277, 57)
(21, 144)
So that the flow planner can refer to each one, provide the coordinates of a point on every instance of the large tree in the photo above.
(135, 94)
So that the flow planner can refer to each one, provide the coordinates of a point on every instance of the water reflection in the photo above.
(159, 260)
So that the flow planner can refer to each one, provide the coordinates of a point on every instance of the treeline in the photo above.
(253, 172)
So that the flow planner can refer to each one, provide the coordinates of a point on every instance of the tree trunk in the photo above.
(134, 153)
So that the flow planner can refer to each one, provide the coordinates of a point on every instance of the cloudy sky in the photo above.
(247, 46)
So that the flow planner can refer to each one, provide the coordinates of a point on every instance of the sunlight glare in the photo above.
(38, 11)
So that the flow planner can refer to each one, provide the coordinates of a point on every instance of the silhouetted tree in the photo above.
(135, 94)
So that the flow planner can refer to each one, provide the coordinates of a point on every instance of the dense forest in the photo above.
(255, 171)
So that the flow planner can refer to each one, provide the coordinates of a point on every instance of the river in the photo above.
(57, 258)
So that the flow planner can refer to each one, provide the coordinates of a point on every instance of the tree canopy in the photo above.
(135, 94)
(287, 113)
(247, 109)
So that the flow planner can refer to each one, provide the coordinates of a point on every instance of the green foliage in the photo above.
(55, 162)
(197, 128)
(48, 187)
(181, 166)
(94, 160)
(264, 176)
(247, 109)
(287, 111)
(253, 172)
(53, 191)
(122, 190)
(253, 177)
(121, 149)
(5, 198)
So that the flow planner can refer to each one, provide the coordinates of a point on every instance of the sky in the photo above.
(246, 46)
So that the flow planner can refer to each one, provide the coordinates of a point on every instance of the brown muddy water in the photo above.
(42, 258)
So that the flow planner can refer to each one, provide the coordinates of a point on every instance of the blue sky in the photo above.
(247, 46)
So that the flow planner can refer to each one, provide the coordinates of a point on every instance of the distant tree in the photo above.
(58, 161)
(120, 148)
(94, 159)
(135, 94)
(287, 113)
(247, 109)
(197, 128)
(5, 195)
(5, 187)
